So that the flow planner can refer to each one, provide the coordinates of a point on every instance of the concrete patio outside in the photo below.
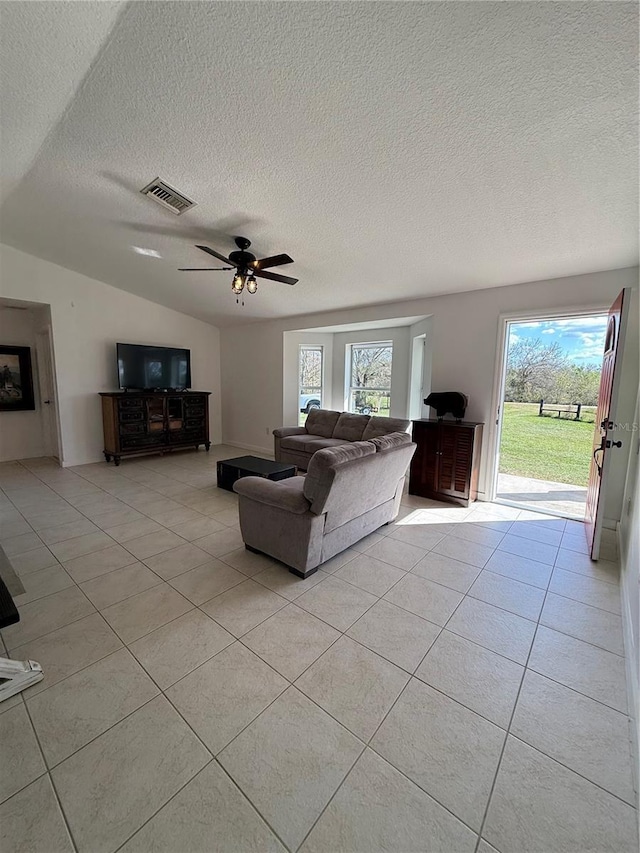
(543, 495)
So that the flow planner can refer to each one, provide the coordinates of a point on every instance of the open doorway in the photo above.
(30, 432)
(548, 399)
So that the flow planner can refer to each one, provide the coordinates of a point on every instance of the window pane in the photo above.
(371, 365)
(370, 378)
(309, 380)
(367, 402)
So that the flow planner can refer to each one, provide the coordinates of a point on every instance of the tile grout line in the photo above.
(163, 694)
(506, 738)
(173, 796)
(48, 774)
(343, 633)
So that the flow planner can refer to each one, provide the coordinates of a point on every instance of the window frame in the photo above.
(350, 388)
(315, 348)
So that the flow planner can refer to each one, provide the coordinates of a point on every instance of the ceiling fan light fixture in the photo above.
(248, 267)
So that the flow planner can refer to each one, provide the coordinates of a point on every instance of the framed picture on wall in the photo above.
(16, 380)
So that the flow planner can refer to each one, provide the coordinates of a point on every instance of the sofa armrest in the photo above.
(285, 495)
(282, 432)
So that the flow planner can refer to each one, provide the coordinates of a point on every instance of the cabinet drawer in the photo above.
(186, 436)
(197, 411)
(131, 442)
(133, 415)
(194, 423)
(132, 429)
(134, 403)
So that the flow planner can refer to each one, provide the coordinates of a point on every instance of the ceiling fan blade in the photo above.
(274, 276)
(273, 261)
(215, 254)
(203, 269)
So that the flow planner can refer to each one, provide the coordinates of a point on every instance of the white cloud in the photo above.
(597, 322)
(548, 331)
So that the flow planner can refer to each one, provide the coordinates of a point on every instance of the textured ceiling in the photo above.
(394, 150)
(46, 49)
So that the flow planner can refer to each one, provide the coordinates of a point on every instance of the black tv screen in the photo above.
(153, 367)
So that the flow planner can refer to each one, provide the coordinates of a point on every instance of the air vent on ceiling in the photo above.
(168, 197)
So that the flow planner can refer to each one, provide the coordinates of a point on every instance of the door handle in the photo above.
(595, 458)
(47, 402)
(605, 443)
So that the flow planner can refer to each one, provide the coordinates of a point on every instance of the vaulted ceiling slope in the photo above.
(394, 150)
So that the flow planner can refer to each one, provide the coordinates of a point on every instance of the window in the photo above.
(310, 362)
(370, 378)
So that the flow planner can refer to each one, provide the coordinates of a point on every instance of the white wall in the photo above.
(22, 433)
(629, 539)
(88, 317)
(464, 332)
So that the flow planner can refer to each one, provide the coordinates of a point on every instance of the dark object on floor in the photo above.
(8, 611)
(8, 575)
(230, 470)
(448, 401)
(15, 675)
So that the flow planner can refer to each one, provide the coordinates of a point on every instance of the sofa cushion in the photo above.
(394, 439)
(383, 426)
(350, 427)
(315, 443)
(321, 422)
(309, 443)
(294, 442)
(322, 467)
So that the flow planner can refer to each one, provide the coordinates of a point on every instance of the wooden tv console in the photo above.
(140, 422)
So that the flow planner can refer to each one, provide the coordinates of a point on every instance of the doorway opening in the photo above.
(550, 378)
(28, 431)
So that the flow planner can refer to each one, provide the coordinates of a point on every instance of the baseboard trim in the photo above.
(265, 451)
(633, 685)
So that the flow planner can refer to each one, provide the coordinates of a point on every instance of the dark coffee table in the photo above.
(230, 470)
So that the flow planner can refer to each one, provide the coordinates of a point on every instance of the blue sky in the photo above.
(581, 338)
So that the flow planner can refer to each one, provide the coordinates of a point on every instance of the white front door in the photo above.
(604, 438)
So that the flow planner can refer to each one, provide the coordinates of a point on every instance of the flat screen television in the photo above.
(144, 367)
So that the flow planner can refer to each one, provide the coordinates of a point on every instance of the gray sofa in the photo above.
(349, 491)
(324, 428)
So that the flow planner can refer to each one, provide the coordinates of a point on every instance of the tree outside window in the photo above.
(310, 364)
(370, 378)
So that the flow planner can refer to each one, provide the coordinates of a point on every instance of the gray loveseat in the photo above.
(349, 491)
(324, 428)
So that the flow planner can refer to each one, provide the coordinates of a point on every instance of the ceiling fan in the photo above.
(247, 266)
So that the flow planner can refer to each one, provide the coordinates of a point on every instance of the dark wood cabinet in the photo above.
(153, 422)
(446, 463)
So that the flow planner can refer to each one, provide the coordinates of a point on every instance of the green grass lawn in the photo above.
(547, 448)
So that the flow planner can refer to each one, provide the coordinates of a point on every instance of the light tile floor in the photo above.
(455, 682)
